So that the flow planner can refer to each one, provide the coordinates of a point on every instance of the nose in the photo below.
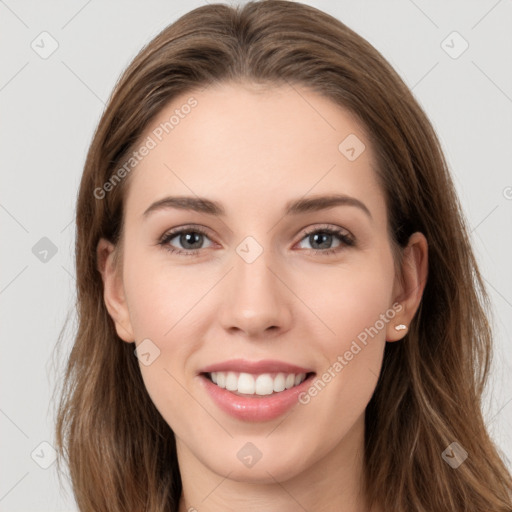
(257, 302)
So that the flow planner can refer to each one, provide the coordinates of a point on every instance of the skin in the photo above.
(254, 149)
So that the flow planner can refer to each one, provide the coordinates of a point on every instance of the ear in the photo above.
(113, 290)
(409, 286)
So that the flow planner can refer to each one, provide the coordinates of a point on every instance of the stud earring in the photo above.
(400, 327)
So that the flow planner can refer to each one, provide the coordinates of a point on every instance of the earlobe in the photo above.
(409, 287)
(113, 290)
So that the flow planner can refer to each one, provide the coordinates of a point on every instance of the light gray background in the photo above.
(50, 108)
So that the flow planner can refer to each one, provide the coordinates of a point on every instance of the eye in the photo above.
(323, 238)
(190, 237)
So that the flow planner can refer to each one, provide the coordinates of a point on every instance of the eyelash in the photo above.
(346, 240)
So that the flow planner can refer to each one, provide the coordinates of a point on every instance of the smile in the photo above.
(263, 384)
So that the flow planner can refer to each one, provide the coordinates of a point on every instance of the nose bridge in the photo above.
(255, 300)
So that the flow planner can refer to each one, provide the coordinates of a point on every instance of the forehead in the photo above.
(245, 145)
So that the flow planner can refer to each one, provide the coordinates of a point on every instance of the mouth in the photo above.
(255, 391)
(256, 385)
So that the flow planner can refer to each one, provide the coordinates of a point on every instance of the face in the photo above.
(257, 286)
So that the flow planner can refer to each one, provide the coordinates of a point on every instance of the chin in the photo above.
(263, 465)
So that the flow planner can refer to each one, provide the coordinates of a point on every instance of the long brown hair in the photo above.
(120, 452)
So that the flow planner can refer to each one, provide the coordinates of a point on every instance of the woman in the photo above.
(224, 360)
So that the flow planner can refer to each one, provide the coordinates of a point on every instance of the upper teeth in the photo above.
(263, 384)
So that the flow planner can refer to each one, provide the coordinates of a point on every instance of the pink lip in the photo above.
(255, 367)
(255, 408)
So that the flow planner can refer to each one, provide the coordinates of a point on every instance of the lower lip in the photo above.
(259, 407)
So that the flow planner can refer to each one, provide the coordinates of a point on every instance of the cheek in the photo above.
(353, 351)
(156, 296)
(160, 302)
(158, 312)
(355, 298)
(342, 389)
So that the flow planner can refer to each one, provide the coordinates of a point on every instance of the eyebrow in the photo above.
(294, 207)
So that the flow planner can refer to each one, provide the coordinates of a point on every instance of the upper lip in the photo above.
(256, 367)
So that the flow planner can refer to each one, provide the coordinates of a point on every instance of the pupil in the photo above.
(188, 239)
(324, 245)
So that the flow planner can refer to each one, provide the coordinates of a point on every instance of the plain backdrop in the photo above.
(51, 104)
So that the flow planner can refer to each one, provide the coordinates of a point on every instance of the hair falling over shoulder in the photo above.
(120, 452)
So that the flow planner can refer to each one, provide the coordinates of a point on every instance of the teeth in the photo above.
(232, 381)
(279, 382)
(249, 384)
(221, 379)
(264, 384)
(246, 384)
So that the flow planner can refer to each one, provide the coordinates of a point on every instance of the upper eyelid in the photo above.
(326, 227)
(187, 228)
